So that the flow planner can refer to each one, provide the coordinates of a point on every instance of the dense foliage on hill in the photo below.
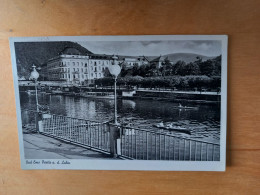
(38, 53)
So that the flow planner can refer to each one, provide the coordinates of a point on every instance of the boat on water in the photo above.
(56, 92)
(181, 107)
(171, 127)
(99, 95)
(30, 92)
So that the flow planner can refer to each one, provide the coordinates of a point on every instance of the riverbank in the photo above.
(177, 96)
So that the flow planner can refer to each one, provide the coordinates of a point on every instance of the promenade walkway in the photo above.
(37, 146)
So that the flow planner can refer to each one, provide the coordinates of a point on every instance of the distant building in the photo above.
(130, 61)
(157, 62)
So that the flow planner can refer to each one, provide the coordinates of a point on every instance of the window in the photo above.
(86, 65)
(95, 69)
(73, 63)
(95, 63)
(82, 76)
(99, 68)
(99, 74)
(92, 74)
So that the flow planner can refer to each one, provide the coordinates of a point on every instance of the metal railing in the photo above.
(149, 145)
(128, 142)
(88, 133)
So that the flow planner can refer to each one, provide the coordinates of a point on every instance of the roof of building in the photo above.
(156, 59)
(100, 56)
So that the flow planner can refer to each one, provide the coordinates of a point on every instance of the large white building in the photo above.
(74, 68)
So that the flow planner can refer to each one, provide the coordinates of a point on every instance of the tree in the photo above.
(179, 68)
(192, 69)
(135, 69)
(142, 70)
(106, 72)
(166, 68)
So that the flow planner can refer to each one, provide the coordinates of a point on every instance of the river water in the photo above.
(203, 119)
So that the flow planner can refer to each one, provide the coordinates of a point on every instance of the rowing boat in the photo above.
(174, 128)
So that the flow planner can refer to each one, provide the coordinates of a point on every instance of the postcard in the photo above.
(121, 102)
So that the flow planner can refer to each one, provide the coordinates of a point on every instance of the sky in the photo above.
(153, 48)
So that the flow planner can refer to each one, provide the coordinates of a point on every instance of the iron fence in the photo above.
(88, 133)
(149, 145)
(130, 143)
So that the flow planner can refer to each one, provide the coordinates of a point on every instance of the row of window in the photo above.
(82, 63)
(77, 76)
(78, 69)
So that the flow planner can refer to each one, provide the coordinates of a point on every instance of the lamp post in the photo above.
(115, 70)
(35, 76)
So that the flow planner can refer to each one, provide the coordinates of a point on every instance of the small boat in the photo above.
(181, 107)
(56, 92)
(172, 128)
(98, 95)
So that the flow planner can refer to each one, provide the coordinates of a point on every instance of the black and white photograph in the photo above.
(121, 102)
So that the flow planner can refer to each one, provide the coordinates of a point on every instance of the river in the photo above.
(203, 119)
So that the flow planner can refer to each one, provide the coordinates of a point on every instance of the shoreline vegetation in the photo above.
(198, 75)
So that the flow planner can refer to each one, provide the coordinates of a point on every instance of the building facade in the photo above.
(72, 67)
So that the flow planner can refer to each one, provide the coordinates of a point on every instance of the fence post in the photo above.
(114, 136)
(39, 126)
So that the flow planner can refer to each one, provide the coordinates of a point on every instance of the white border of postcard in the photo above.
(129, 164)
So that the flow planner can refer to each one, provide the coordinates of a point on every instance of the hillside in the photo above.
(186, 57)
(28, 53)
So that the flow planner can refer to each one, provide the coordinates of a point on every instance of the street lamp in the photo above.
(35, 76)
(114, 70)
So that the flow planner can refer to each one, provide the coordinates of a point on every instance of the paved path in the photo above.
(37, 146)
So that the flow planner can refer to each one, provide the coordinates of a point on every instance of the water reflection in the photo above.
(203, 120)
